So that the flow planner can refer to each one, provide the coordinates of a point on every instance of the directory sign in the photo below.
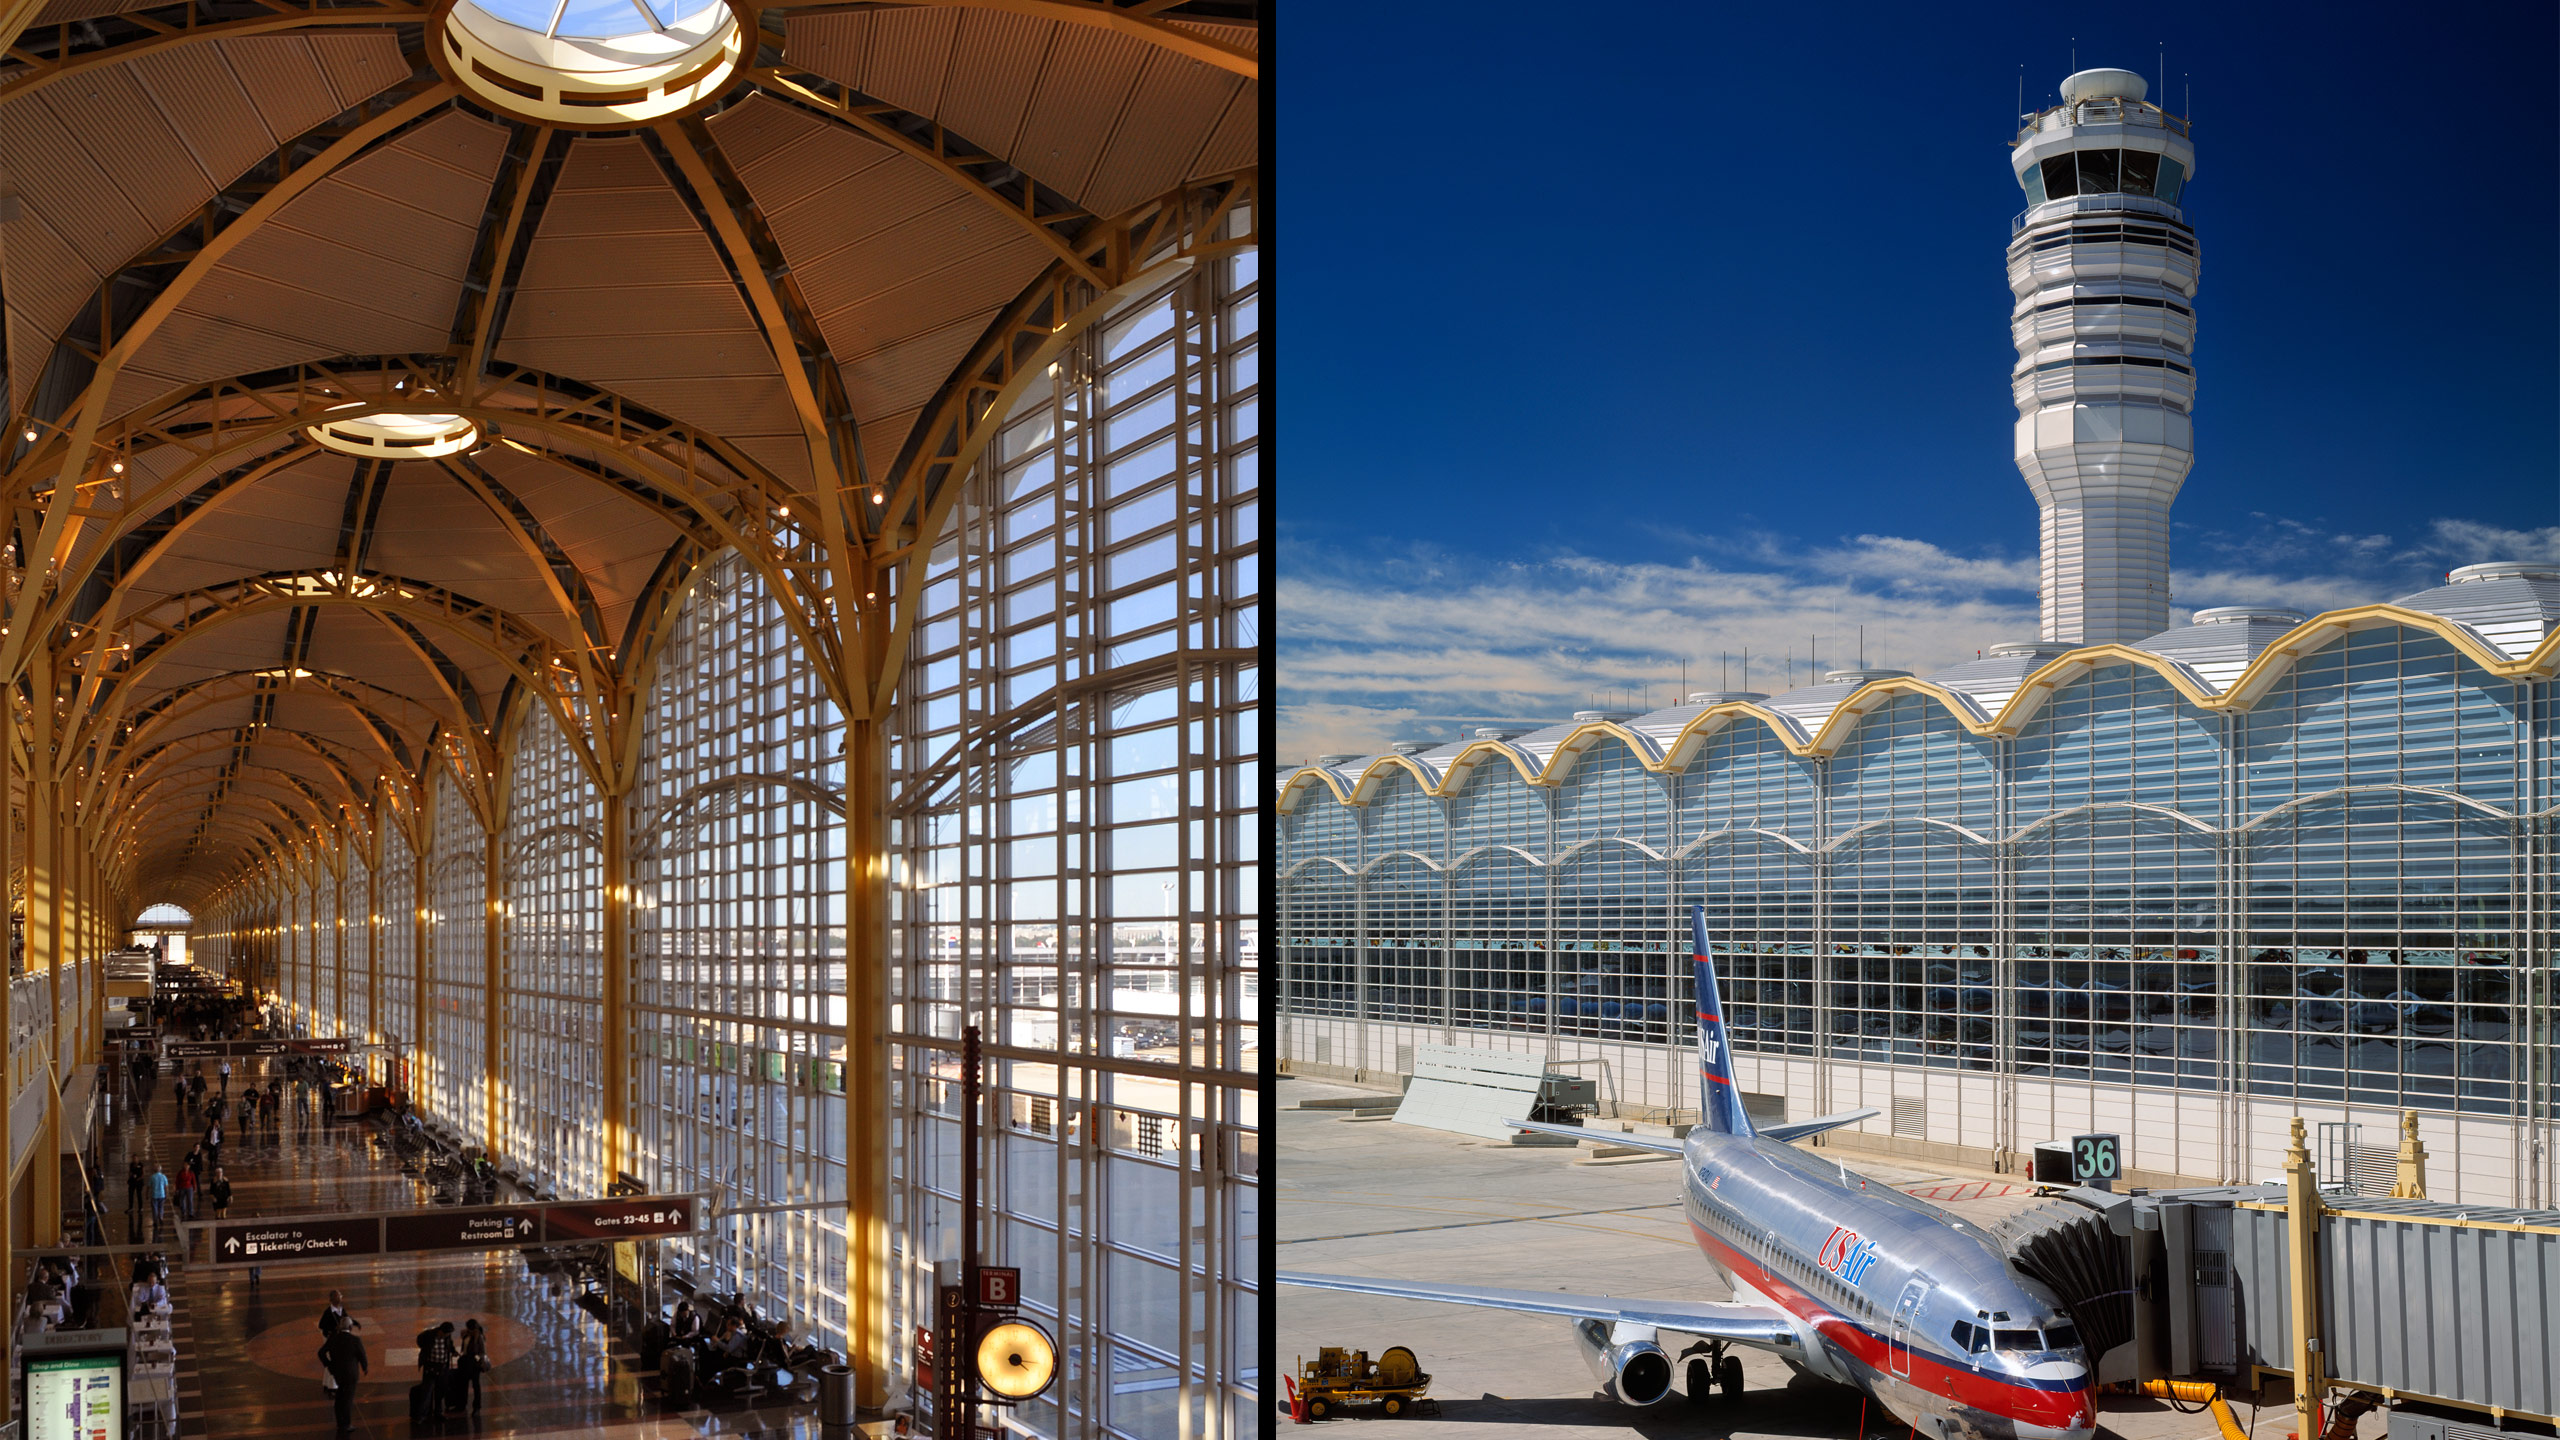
(618, 1219)
(266, 1242)
(477, 1228)
(78, 1396)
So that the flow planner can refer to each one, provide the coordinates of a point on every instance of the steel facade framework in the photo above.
(448, 809)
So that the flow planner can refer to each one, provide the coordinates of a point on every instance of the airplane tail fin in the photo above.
(1719, 1103)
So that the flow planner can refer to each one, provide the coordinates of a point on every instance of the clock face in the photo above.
(1016, 1359)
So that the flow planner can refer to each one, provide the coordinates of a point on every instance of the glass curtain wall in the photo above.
(1078, 776)
(396, 1023)
(551, 1096)
(737, 951)
(457, 965)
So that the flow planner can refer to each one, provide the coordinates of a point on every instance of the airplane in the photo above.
(1842, 1278)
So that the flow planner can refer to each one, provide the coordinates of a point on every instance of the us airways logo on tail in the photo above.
(1845, 1255)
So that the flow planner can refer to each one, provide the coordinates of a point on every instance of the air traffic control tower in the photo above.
(2103, 267)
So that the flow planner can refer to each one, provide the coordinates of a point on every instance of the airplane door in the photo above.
(1906, 1314)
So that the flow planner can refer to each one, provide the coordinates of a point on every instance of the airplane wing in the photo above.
(1656, 1143)
(1802, 1128)
(1757, 1325)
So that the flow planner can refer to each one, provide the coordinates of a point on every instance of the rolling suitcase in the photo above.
(422, 1402)
(675, 1374)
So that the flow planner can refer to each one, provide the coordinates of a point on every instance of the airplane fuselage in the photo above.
(1888, 1294)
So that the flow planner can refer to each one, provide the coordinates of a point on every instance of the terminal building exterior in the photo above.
(2179, 882)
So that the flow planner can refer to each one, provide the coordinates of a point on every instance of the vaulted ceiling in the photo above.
(774, 320)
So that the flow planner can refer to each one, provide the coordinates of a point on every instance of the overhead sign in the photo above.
(205, 1049)
(75, 1396)
(266, 1242)
(617, 1219)
(473, 1229)
(477, 1227)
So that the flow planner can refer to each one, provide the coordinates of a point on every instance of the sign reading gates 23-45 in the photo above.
(2097, 1160)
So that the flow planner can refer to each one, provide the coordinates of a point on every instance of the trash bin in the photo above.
(835, 1398)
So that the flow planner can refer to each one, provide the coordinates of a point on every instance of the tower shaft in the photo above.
(2102, 271)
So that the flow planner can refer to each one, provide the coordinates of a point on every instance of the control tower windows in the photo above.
(2104, 172)
(2098, 171)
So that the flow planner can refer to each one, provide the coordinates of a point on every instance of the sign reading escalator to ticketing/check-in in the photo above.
(617, 1219)
(474, 1229)
(267, 1243)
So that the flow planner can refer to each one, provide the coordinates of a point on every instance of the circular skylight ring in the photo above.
(396, 437)
(587, 69)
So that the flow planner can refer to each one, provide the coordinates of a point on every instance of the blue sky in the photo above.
(1615, 337)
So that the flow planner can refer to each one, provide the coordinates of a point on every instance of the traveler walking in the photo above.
(187, 1189)
(219, 1192)
(474, 1360)
(213, 1143)
(226, 1077)
(159, 1196)
(133, 1185)
(334, 1313)
(342, 1355)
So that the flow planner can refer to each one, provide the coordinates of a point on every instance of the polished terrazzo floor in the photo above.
(248, 1365)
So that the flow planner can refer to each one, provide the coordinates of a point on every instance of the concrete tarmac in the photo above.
(1372, 1197)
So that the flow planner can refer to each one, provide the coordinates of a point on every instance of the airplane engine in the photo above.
(1625, 1359)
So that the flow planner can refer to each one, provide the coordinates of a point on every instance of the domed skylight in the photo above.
(592, 63)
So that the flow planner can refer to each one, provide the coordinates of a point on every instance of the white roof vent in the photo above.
(1497, 732)
(2104, 85)
(2503, 570)
(1410, 747)
(2003, 649)
(2247, 614)
(1585, 717)
(1860, 677)
(1726, 697)
(1329, 761)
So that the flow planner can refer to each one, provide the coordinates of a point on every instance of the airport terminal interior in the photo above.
(639, 621)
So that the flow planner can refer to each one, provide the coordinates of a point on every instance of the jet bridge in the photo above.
(2449, 1314)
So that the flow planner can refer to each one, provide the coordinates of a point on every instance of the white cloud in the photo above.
(1426, 644)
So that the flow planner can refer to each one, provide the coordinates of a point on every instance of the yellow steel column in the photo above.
(616, 1104)
(338, 942)
(869, 1342)
(44, 932)
(2303, 1209)
(2411, 1182)
(11, 734)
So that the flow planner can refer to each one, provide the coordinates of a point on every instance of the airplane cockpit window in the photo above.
(1971, 1338)
(2061, 1337)
(2008, 1339)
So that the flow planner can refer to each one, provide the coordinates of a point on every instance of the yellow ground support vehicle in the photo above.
(1394, 1383)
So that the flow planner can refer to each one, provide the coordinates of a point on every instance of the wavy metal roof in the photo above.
(2513, 607)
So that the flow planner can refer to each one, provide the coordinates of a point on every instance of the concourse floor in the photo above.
(248, 1366)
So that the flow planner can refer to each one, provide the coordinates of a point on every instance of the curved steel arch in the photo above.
(1467, 858)
(1784, 840)
(1578, 848)
(1372, 867)
(650, 833)
(1871, 827)
(2346, 792)
(2019, 835)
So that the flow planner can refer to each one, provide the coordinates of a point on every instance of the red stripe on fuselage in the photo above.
(2058, 1409)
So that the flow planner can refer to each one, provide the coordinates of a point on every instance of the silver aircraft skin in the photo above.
(1845, 1278)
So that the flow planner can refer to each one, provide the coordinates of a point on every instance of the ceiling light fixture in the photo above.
(386, 436)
